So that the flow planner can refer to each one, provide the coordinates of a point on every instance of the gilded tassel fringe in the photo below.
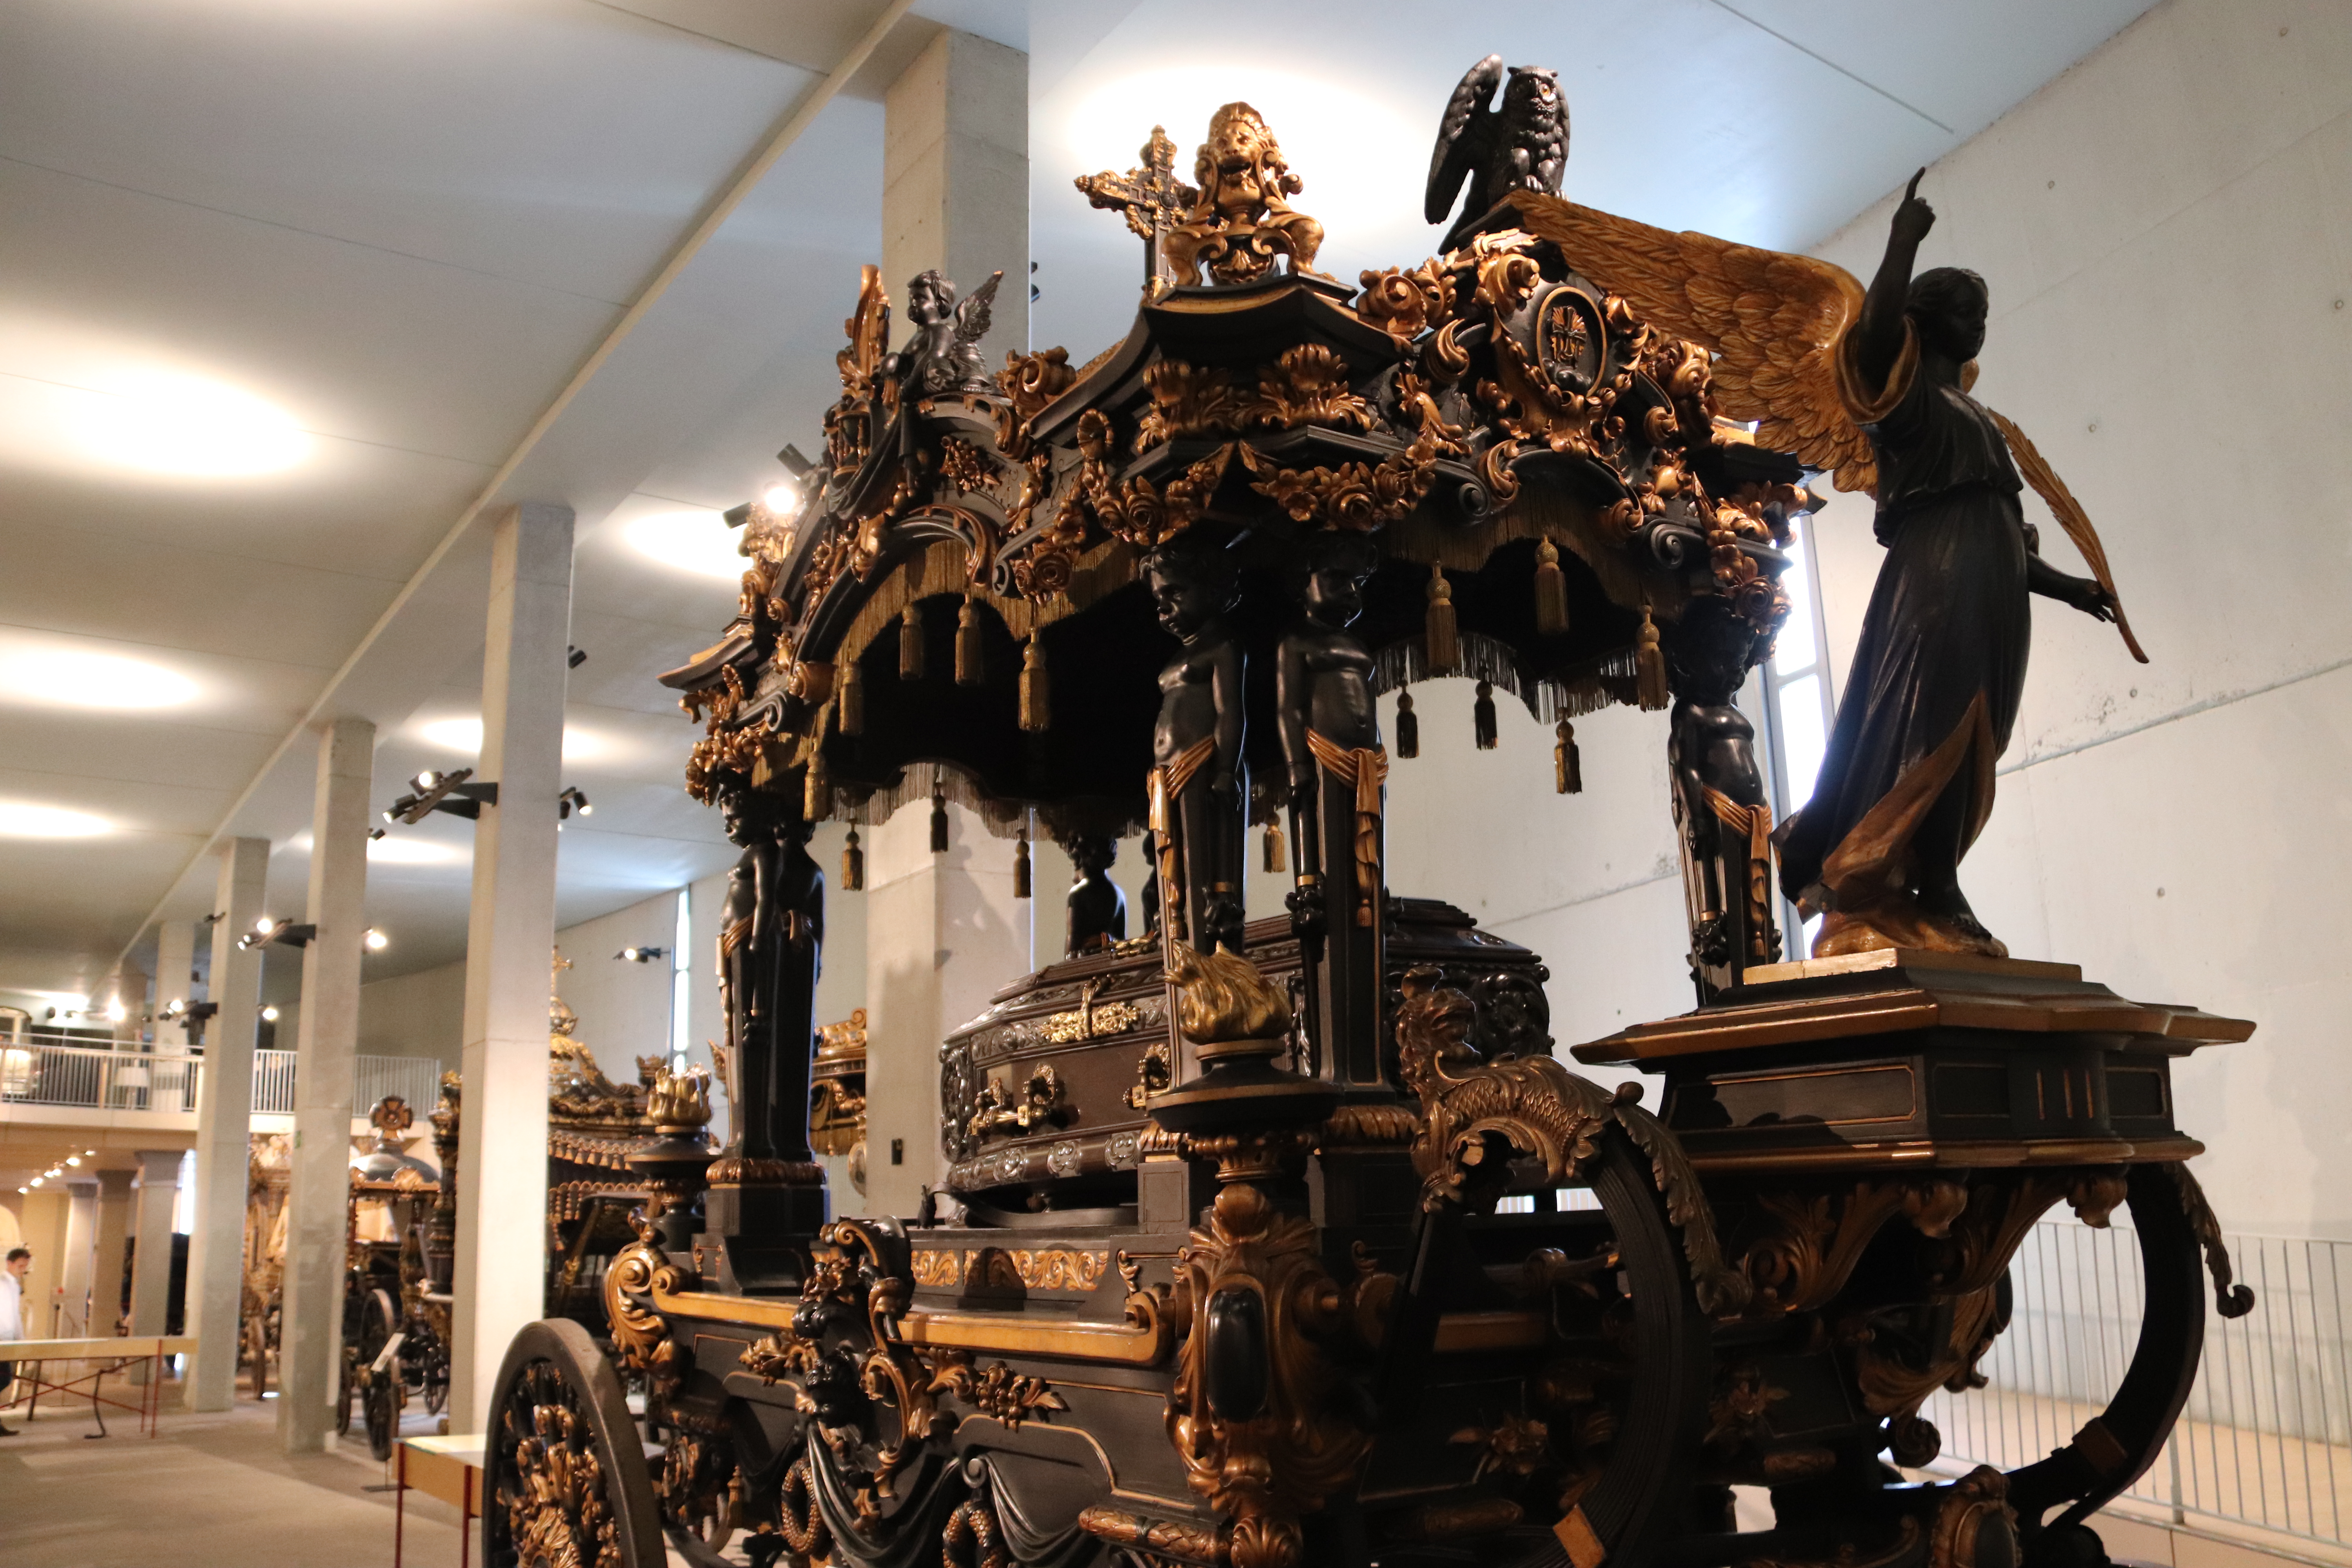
(1276, 862)
(1021, 867)
(1036, 689)
(1482, 717)
(853, 865)
(1408, 735)
(1444, 645)
(1566, 765)
(938, 823)
(1551, 591)
(850, 713)
(817, 790)
(1650, 668)
(910, 644)
(968, 672)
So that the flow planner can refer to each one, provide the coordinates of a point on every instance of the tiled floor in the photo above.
(207, 1490)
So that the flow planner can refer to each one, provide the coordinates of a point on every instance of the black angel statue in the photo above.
(1520, 147)
(943, 352)
(1872, 387)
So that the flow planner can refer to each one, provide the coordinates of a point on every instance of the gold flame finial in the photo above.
(1223, 998)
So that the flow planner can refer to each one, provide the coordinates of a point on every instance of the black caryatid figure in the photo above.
(1097, 910)
(1522, 146)
(1196, 746)
(770, 949)
(1907, 780)
(1719, 800)
(1331, 743)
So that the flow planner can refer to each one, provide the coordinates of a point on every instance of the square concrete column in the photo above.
(151, 1270)
(80, 1249)
(943, 933)
(223, 1127)
(318, 1195)
(107, 1256)
(499, 1281)
(955, 179)
(176, 956)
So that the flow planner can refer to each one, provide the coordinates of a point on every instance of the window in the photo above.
(1795, 702)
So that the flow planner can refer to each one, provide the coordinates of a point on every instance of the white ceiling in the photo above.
(408, 223)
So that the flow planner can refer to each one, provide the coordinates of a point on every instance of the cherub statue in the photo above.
(1243, 219)
(1872, 386)
(942, 355)
(1521, 146)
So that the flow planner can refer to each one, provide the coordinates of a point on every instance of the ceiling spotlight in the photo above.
(24, 1189)
(573, 800)
(433, 791)
(264, 926)
(269, 1014)
(36, 1182)
(642, 954)
(73, 1159)
(377, 833)
(268, 932)
(91, 1152)
(780, 498)
(116, 1011)
(574, 658)
(376, 940)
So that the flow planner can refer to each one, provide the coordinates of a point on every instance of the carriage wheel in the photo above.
(379, 1320)
(381, 1402)
(1644, 1487)
(565, 1468)
(2116, 1449)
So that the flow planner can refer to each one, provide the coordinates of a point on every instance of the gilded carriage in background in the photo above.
(1288, 1242)
(837, 1095)
(261, 1289)
(397, 1282)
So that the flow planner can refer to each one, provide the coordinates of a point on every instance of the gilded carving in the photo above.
(1175, 1539)
(1243, 219)
(1044, 1268)
(1356, 496)
(555, 1505)
(1041, 1102)
(1406, 304)
(1809, 1245)
(2231, 1300)
(963, 468)
(999, 1392)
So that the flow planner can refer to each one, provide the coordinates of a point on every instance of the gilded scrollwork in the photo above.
(553, 1490)
(997, 1392)
(1810, 1241)
(1041, 1102)
(1266, 1454)
(2229, 1300)
(1356, 495)
(1405, 304)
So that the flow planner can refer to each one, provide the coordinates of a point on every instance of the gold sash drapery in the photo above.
(1168, 786)
(1755, 824)
(1362, 770)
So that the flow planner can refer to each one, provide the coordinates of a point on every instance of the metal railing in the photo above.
(2266, 1439)
(90, 1078)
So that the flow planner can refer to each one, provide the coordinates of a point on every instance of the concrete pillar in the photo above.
(500, 1266)
(175, 958)
(81, 1250)
(318, 1198)
(151, 1272)
(955, 179)
(107, 1254)
(943, 933)
(223, 1127)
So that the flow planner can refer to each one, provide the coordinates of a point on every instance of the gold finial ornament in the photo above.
(1149, 197)
(1242, 220)
(679, 1102)
(1225, 1005)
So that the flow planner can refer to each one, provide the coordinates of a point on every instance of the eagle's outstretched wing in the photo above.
(1777, 321)
(973, 316)
(1462, 137)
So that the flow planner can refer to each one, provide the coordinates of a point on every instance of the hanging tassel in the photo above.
(816, 789)
(853, 865)
(1021, 865)
(938, 821)
(910, 644)
(1442, 647)
(1408, 727)
(1275, 863)
(849, 715)
(1482, 717)
(968, 644)
(1567, 767)
(1036, 689)
(1551, 591)
(1650, 668)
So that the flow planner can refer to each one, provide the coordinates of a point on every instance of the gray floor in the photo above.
(208, 1490)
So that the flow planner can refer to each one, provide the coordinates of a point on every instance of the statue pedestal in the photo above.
(1910, 1058)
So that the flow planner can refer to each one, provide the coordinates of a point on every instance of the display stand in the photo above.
(449, 1468)
(116, 1355)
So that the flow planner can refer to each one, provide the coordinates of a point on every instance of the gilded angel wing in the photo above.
(1776, 321)
(1462, 137)
(972, 315)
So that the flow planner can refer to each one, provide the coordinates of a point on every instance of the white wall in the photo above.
(2169, 244)
(623, 1006)
(418, 1015)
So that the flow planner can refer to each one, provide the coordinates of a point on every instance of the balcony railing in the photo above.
(33, 1071)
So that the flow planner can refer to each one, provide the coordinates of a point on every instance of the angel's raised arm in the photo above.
(1878, 335)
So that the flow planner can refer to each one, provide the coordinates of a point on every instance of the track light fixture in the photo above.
(573, 800)
(642, 954)
(268, 932)
(452, 792)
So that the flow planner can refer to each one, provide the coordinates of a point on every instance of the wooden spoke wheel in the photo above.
(379, 1388)
(2116, 1449)
(697, 1493)
(566, 1481)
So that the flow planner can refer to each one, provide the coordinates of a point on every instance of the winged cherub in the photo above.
(1521, 146)
(1871, 386)
(943, 352)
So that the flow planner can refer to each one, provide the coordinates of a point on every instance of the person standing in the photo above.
(12, 1311)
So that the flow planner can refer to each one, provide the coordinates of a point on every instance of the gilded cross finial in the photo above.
(1149, 197)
